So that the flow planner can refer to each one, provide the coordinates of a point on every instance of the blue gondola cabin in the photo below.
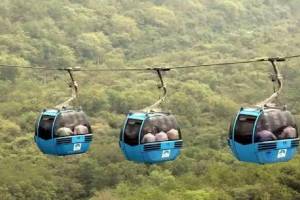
(63, 132)
(150, 137)
(263, 135)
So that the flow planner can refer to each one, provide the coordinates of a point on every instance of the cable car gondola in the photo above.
(64, 130)
(266, 133)
(151, 136)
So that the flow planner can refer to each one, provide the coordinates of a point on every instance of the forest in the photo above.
(108, 34)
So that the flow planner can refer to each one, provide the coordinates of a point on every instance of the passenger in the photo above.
(149, 137)
(165, 128)
(288, 133)
(46, 125)
(64, 131)
(147, 129)
(265, 135)
(132, 131)
(161, 136)
(173, 134)
(81, 129)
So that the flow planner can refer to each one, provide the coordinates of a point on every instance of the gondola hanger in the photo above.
(74, 95)
(267, 132)
(65, 130)
(272, 101)
(162, 86)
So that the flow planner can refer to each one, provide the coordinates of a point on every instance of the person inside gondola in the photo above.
(159, 129)
(46, 124)
(173, 134)
(275, 125)
(265, 135)
(64, 131)
(263, 131)
(161, 136)
(148, 133)
(81, 129)
(132, 130)
(149, 137)
(153, 133)
(45, 127)
(288, 132)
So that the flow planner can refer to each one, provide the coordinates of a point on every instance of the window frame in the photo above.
(50, 131)
(137, 139)
(250, 137)
(57, 125)
(232, 127)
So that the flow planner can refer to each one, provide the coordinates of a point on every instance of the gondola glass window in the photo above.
(275, 125)
(244, 129)
(161, 125)
(132, 130)
(45, 127)
(71, 123)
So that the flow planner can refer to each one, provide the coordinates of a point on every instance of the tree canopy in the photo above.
(135, 33)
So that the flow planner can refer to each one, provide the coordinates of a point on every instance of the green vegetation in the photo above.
(139, 33)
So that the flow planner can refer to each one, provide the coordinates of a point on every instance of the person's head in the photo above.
(48, 122)
(149, 137)
(290, 132)
(147, 128)
(81, 129)
(161, 136)
(173, 134)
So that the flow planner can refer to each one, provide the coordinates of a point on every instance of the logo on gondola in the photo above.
(166, 154)
(281, 153)
(77, 147)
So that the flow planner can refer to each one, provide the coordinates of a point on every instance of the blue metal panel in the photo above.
(282, 152)
(250, 153)
(283, 144)
(46, 146)
(251, 112)
(78, 138)
(160, 156)
(133, 153)
(166, 152)
(245, 152)
(51, 112)
(167, 145)
(139, 116)
(69, 149)
(51, 147)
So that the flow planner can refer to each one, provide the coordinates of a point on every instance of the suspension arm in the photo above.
(161, 86)
(74, 87)
(278, 79)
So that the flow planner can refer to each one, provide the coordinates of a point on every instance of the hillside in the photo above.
(140, 33)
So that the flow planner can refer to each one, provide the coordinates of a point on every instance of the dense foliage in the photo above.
(139, 33)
